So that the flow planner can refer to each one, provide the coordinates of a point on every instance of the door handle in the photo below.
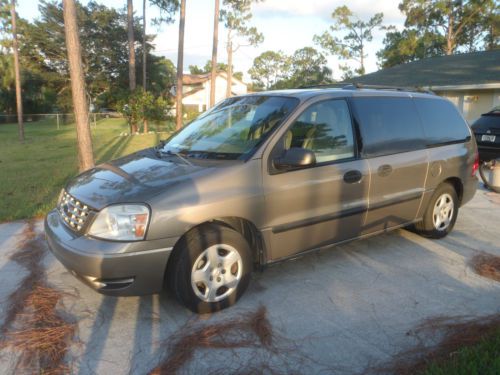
(384, 170)
(353, 176)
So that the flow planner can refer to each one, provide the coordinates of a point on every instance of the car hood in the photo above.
(131, 179)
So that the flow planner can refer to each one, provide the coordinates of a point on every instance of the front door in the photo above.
(325, 203)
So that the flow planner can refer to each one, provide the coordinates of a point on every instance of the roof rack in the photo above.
(382, 87)
(324, 86)
(358, 86)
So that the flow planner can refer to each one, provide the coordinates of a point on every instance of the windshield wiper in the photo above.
(213, 155)
(175, 153)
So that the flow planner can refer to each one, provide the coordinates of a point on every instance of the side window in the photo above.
(388, 125)
(324, 128)
(441, 121)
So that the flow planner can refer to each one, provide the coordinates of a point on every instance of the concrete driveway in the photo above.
(338, 311)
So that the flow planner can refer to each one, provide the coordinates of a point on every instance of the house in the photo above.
(470, 80)
(196, 89)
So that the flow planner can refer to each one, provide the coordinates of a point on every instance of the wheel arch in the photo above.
(243, 226)
(457, 185)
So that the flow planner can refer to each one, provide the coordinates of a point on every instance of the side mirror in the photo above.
(295, 158)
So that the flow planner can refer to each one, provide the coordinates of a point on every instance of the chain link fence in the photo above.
(58, 119)
(61, 121)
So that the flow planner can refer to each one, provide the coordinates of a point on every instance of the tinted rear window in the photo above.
(441, 121)
(485, 122)
(388, 125)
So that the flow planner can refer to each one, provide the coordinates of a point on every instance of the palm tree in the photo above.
(213, 75)
(84, 139)
(17, 73)
(180, 63)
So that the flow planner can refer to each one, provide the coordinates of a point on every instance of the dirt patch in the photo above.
(486, 265)
(451, 335)
(33, 326)
(42, 334)
(29, 255)
(250, 330)
(266, 351)
(493, 197)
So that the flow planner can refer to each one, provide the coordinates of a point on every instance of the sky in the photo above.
(287, 25)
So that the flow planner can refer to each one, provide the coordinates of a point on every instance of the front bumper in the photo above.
(110, 267)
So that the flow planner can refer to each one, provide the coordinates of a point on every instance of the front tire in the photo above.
(210, 268)
(441, 213)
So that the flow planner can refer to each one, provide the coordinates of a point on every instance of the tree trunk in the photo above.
(131, 45)
(17, 72)
(491, 38)
(144, 51)
(131, 55)
(144, 60)
(180, 66)
(362, 68)
(449, 36)
(213, 75)
(83, 136)
(229, 66)
(362, 51)
(449, 46)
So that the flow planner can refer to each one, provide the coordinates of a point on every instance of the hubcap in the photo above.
(443, 212)
(216, 273)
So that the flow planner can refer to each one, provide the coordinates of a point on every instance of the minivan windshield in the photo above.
(231, 130)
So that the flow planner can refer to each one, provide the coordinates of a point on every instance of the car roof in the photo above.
(348, 91)
(495, 111)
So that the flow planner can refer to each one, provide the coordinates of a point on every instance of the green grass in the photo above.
(480, 359)
(33, 173)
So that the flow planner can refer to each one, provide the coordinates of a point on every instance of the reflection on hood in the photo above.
(133, 178)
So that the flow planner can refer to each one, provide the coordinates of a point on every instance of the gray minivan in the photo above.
(261, 178)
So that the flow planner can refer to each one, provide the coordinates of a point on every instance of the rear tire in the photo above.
(210, 268)
(441, 213)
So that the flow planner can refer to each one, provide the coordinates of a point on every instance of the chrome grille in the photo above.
(73, 212)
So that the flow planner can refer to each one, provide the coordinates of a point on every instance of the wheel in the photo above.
(441, 213)
(210, 268)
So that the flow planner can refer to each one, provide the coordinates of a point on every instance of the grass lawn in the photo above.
(33, 173)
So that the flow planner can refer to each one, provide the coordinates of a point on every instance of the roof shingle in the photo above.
(461, 69)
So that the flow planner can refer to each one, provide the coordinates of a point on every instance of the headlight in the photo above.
(126, 222)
